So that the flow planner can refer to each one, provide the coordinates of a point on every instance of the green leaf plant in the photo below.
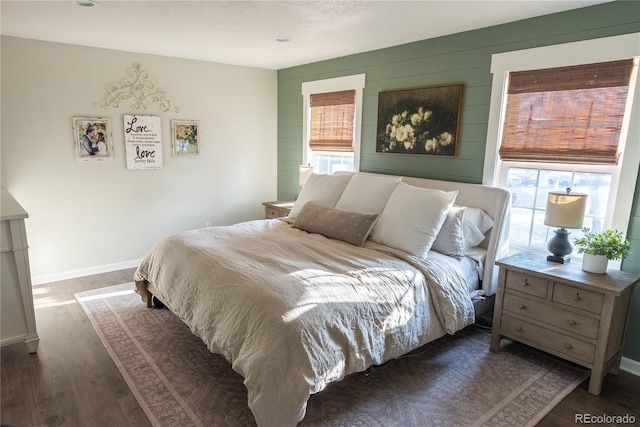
(610, 243)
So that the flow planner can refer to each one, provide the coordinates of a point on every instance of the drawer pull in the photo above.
(572, 322)
(577, 297)
(568, 346)
(519, 328)
(522, 307)
(525, 283)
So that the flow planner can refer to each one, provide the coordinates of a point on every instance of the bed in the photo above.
(367, 267)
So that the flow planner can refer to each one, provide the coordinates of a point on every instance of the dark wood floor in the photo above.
(72, 380)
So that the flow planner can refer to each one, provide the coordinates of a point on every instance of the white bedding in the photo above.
(294, 311)
(471, 269)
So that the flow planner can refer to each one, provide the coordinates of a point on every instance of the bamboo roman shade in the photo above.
(567, 115)
(331, 121)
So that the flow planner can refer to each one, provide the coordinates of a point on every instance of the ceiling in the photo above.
(245, 32)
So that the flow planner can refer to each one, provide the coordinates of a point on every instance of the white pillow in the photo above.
(325, 190)
(412, 218)
(479, 218)
(367, 194)
(463, 230)
(475, 223)
(451, 239)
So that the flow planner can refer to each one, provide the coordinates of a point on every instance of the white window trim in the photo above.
(336, 84)
(583, 52)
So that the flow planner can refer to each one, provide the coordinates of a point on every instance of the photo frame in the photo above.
(92, 138)
(185, 138)
(423, 120)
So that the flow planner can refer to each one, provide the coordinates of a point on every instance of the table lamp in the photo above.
(564, 210)
(305, 173)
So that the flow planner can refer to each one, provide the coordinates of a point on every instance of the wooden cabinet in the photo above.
(564, 311)
(277, 209)
(17, 322)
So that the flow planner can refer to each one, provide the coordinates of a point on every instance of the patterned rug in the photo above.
(455, 380)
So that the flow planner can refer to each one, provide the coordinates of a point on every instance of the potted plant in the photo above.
(599, 248)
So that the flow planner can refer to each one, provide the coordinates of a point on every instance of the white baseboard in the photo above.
(630, 365)
(55, 277)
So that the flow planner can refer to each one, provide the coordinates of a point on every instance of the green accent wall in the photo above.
(632, 265)
(458, 58)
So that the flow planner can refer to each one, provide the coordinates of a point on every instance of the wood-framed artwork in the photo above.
(423, 120)
(185, 137)
(92, 138)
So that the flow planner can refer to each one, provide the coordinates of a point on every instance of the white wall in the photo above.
(87, 215)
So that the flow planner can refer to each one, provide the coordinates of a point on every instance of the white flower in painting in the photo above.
(446, 138)
(401, 133)
(416, 119)
(430, 145)
(391, 130)
(409, 130)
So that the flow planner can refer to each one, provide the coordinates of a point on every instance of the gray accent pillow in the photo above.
(350, 227)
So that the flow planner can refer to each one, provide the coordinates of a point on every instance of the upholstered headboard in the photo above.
(495, 201)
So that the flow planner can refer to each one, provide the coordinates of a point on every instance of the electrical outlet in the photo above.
(208, 224)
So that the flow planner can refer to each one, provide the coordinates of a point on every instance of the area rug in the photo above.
(455, 380)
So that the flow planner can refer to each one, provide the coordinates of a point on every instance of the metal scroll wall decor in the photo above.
(139, 91)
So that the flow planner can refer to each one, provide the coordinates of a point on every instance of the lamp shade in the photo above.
(305, 173)
(565, 209)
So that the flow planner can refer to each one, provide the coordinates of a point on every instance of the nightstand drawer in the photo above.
(272, 213)
(531, 285)
(277, 209)
(578, 298)
(558, 317)
(546, 338)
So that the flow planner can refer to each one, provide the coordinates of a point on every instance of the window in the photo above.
(332, 118)
(553, 125)
(529, 186)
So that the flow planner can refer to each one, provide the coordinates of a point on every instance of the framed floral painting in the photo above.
(185, 137)
(424, 120)
(92, 138)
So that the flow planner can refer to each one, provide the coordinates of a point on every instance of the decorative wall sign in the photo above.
(92, 138)
(139, 91)
(185, 137)
(420, 121)
(143, 142)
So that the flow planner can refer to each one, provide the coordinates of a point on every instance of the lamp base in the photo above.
(560, 247)
(562, 259)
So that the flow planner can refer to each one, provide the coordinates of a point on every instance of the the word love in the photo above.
(136, 129)
(143, 154)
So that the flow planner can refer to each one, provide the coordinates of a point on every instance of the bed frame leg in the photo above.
(149, 299)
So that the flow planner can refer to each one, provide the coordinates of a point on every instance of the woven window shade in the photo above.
(567, 115)
(332, 116)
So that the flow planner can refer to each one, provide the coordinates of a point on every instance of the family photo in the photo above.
(92, 138)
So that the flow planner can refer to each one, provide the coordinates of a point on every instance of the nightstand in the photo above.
(277, 209)
(560, 309)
